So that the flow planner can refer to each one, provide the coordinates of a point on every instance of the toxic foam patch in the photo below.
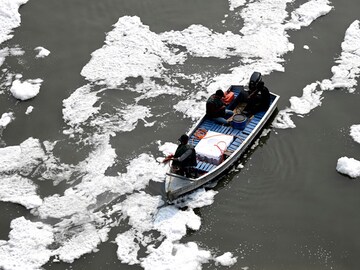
(348, 166)
(9, 17)
(26, 89)
(345, 75)
(27, 245)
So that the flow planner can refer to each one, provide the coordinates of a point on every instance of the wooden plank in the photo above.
(248, 130)
(228, 130)
(235, 132)
(198, 165)
(260, 114)
(204, 166)
(243, 136)
(255, 120)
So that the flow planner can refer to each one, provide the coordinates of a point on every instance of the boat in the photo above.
(230, 142)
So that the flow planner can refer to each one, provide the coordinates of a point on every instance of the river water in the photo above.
(81, 183)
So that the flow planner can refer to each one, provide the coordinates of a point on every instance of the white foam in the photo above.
(6, 118)
(79, 110)
(79, 106)
(127, 251)
(265, 39)
(227, 259)
(26, 89)
(16, 51)
(18, 189)
(197, 199)
(140, 208)
(196, 39)
(74, 247)
(58, 206)
(9, 51)
(22, 158)
(191, 108)
(348, 166)
(167, 148)
(236, 3)
(307, 13)
(130, 50)
(54, 170)
(175, 256)
(344, 76)
(9, 17)
(355, 133)
(173, 223)
(150, 89)
(310, 99)
(27, 247)
(146, 213)
(29, 110)
(94, 182)
(348, 68)
(41, 52)
(124, 119)
(94, 166)
(85, 241)
(101, 158)
(3, 54)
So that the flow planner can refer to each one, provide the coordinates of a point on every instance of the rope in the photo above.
(221, 151)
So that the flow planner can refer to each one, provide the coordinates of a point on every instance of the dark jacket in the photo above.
(186, 156)
(215, 107)
(258, 101)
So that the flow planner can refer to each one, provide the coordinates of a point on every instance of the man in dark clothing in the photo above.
(184, 158)
(216, 109)
(258, 99)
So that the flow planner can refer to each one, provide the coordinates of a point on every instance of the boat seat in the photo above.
(204, 166)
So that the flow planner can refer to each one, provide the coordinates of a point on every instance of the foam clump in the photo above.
(27, 89)
(27, 245)
(226, 259)
(6, 118)
(21, 158)
(355, 133)
(348, 166)
(41, 52)
(19, 190)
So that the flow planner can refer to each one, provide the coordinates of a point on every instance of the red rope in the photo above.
(221, 151)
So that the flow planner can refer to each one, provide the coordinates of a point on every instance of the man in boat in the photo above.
(259, 96)
(184, 159)
(216, 108)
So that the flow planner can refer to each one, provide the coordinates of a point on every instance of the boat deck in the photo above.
(239, 137)
(211, 165)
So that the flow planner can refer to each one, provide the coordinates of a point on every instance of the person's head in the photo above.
(184, 139)
(219, 93)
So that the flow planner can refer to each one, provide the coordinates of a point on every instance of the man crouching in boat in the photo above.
(216, 108)
(184, 159)
(258, 99)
